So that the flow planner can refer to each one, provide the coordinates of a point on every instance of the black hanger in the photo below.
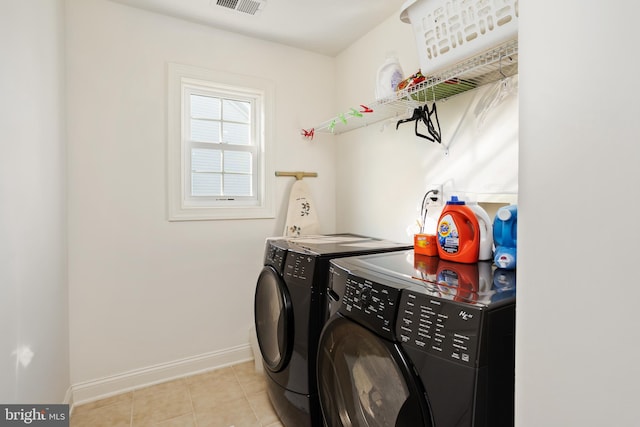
(417, 115)
(427, 121)
(437, 134)
(423, 114)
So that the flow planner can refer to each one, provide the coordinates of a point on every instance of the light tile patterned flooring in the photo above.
(233, 396)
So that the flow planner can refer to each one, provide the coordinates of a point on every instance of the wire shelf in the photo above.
(487, 67)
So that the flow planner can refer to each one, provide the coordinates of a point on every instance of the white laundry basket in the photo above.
(450, 31)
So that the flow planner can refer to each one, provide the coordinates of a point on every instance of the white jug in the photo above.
(486, 232)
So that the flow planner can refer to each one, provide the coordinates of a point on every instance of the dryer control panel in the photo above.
(440, 327)
(299, 268)
(274, 255)
(371, 304)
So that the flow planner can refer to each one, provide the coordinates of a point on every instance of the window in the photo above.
(219, 163)
(221, 153)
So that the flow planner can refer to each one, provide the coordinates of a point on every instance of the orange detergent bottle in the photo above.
(458, 233)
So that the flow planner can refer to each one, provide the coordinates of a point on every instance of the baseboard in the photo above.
(68, 399)
(109, 386)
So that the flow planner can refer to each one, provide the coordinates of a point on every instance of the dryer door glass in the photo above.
(274, 319)
(364, 381)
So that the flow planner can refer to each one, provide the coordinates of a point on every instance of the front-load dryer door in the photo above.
(274, 319)
(365, 381)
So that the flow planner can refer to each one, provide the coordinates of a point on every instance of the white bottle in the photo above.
(486, 232)
(389, 76)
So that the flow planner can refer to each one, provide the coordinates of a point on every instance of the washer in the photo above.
(416, 341)
(290, 311)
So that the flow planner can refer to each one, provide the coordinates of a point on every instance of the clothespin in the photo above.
(308, 133)
(355, 113)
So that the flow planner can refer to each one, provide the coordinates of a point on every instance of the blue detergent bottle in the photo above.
(505, 236)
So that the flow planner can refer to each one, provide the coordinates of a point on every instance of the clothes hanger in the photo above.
(427, 118)
(436, 134)
(425, 115)
(417, 115)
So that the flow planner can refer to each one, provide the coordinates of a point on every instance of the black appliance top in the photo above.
(480, 284)
(337, 244)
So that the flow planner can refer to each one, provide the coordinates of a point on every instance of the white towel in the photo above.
(302, 219)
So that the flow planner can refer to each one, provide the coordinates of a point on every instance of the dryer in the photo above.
(290, 310)
(415, 343)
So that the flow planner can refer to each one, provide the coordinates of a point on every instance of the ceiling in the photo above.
(322, 26)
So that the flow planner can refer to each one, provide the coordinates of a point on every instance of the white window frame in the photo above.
(182, 206)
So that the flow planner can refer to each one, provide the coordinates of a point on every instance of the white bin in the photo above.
(450, 31)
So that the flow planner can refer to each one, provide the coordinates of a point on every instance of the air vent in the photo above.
(246, 6)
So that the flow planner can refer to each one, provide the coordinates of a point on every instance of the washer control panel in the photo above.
(371, 304)
(440, 327)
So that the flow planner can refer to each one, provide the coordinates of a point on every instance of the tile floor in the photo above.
(233, 396)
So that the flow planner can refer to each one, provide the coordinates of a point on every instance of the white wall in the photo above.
(146, 293)
(577, 328)
(383, 174)
(34, 358)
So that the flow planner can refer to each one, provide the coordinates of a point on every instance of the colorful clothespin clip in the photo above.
(365, 109)
(355, 113)
(308, 133)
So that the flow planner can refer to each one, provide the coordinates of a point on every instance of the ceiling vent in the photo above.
(247, 6)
